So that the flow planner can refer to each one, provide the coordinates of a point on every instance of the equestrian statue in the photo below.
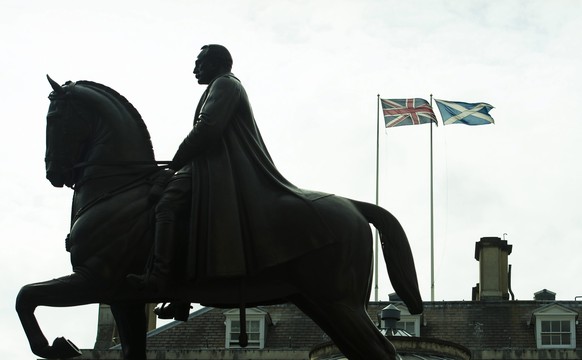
(217, 225)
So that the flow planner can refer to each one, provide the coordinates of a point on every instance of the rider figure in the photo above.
(174, 183)
(240, 205)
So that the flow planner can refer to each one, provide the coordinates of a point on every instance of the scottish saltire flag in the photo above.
(464, 113)
(399, 112)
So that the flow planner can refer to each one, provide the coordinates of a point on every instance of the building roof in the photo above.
(490, 325)
(206, 328)
(476, 325)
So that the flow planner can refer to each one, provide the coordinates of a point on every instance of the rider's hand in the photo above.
(160, 181)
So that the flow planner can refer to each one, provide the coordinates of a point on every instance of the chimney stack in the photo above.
(492, 254)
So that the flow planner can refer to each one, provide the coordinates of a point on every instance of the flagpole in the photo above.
(431, 218)
(377, 195)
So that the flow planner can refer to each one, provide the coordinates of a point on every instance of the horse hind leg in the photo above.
(350, 328)
(131, 325)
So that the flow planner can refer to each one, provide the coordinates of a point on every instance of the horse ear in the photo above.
(56, 87)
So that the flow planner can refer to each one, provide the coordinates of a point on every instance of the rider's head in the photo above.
(213, 60)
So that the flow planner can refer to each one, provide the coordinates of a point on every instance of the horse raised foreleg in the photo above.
(65, 291)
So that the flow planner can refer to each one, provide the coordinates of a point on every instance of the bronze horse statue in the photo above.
(98, 144)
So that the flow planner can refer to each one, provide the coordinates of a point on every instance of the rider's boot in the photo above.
(159, 277)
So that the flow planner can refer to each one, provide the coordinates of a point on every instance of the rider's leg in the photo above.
(175, 200)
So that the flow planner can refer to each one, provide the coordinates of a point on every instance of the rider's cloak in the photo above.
(245, 215)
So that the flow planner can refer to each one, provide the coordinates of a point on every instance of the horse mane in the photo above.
(135, 115)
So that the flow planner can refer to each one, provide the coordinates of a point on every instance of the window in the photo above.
(556, 332)
(253, 333)
(555, 327)
(256, 327)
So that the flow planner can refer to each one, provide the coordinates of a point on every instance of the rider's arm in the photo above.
(218, 109)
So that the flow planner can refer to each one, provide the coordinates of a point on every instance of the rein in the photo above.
(85, 164)
(140, 176)
(120, 189)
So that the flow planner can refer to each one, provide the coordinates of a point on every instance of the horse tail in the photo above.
(397, 254)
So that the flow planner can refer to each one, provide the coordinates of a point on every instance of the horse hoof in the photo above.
(65, 348)
(60, 349)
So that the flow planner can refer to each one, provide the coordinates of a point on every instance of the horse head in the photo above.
(83, 115)
(63, 141)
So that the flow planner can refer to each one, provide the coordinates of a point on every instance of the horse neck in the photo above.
(118, 141)
(115, 158)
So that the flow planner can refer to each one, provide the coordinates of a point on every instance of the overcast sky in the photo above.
(313, 70)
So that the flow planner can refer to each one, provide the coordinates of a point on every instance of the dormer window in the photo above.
(555, 327)
(556, 333)
(256, 326)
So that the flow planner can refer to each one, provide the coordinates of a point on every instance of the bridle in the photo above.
(60, 93)
(134, 177)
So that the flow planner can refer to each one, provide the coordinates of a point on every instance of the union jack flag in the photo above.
(398, 112)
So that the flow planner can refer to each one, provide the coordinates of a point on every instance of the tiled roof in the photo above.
(289, 329)
(473, 324)
(484, 324)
